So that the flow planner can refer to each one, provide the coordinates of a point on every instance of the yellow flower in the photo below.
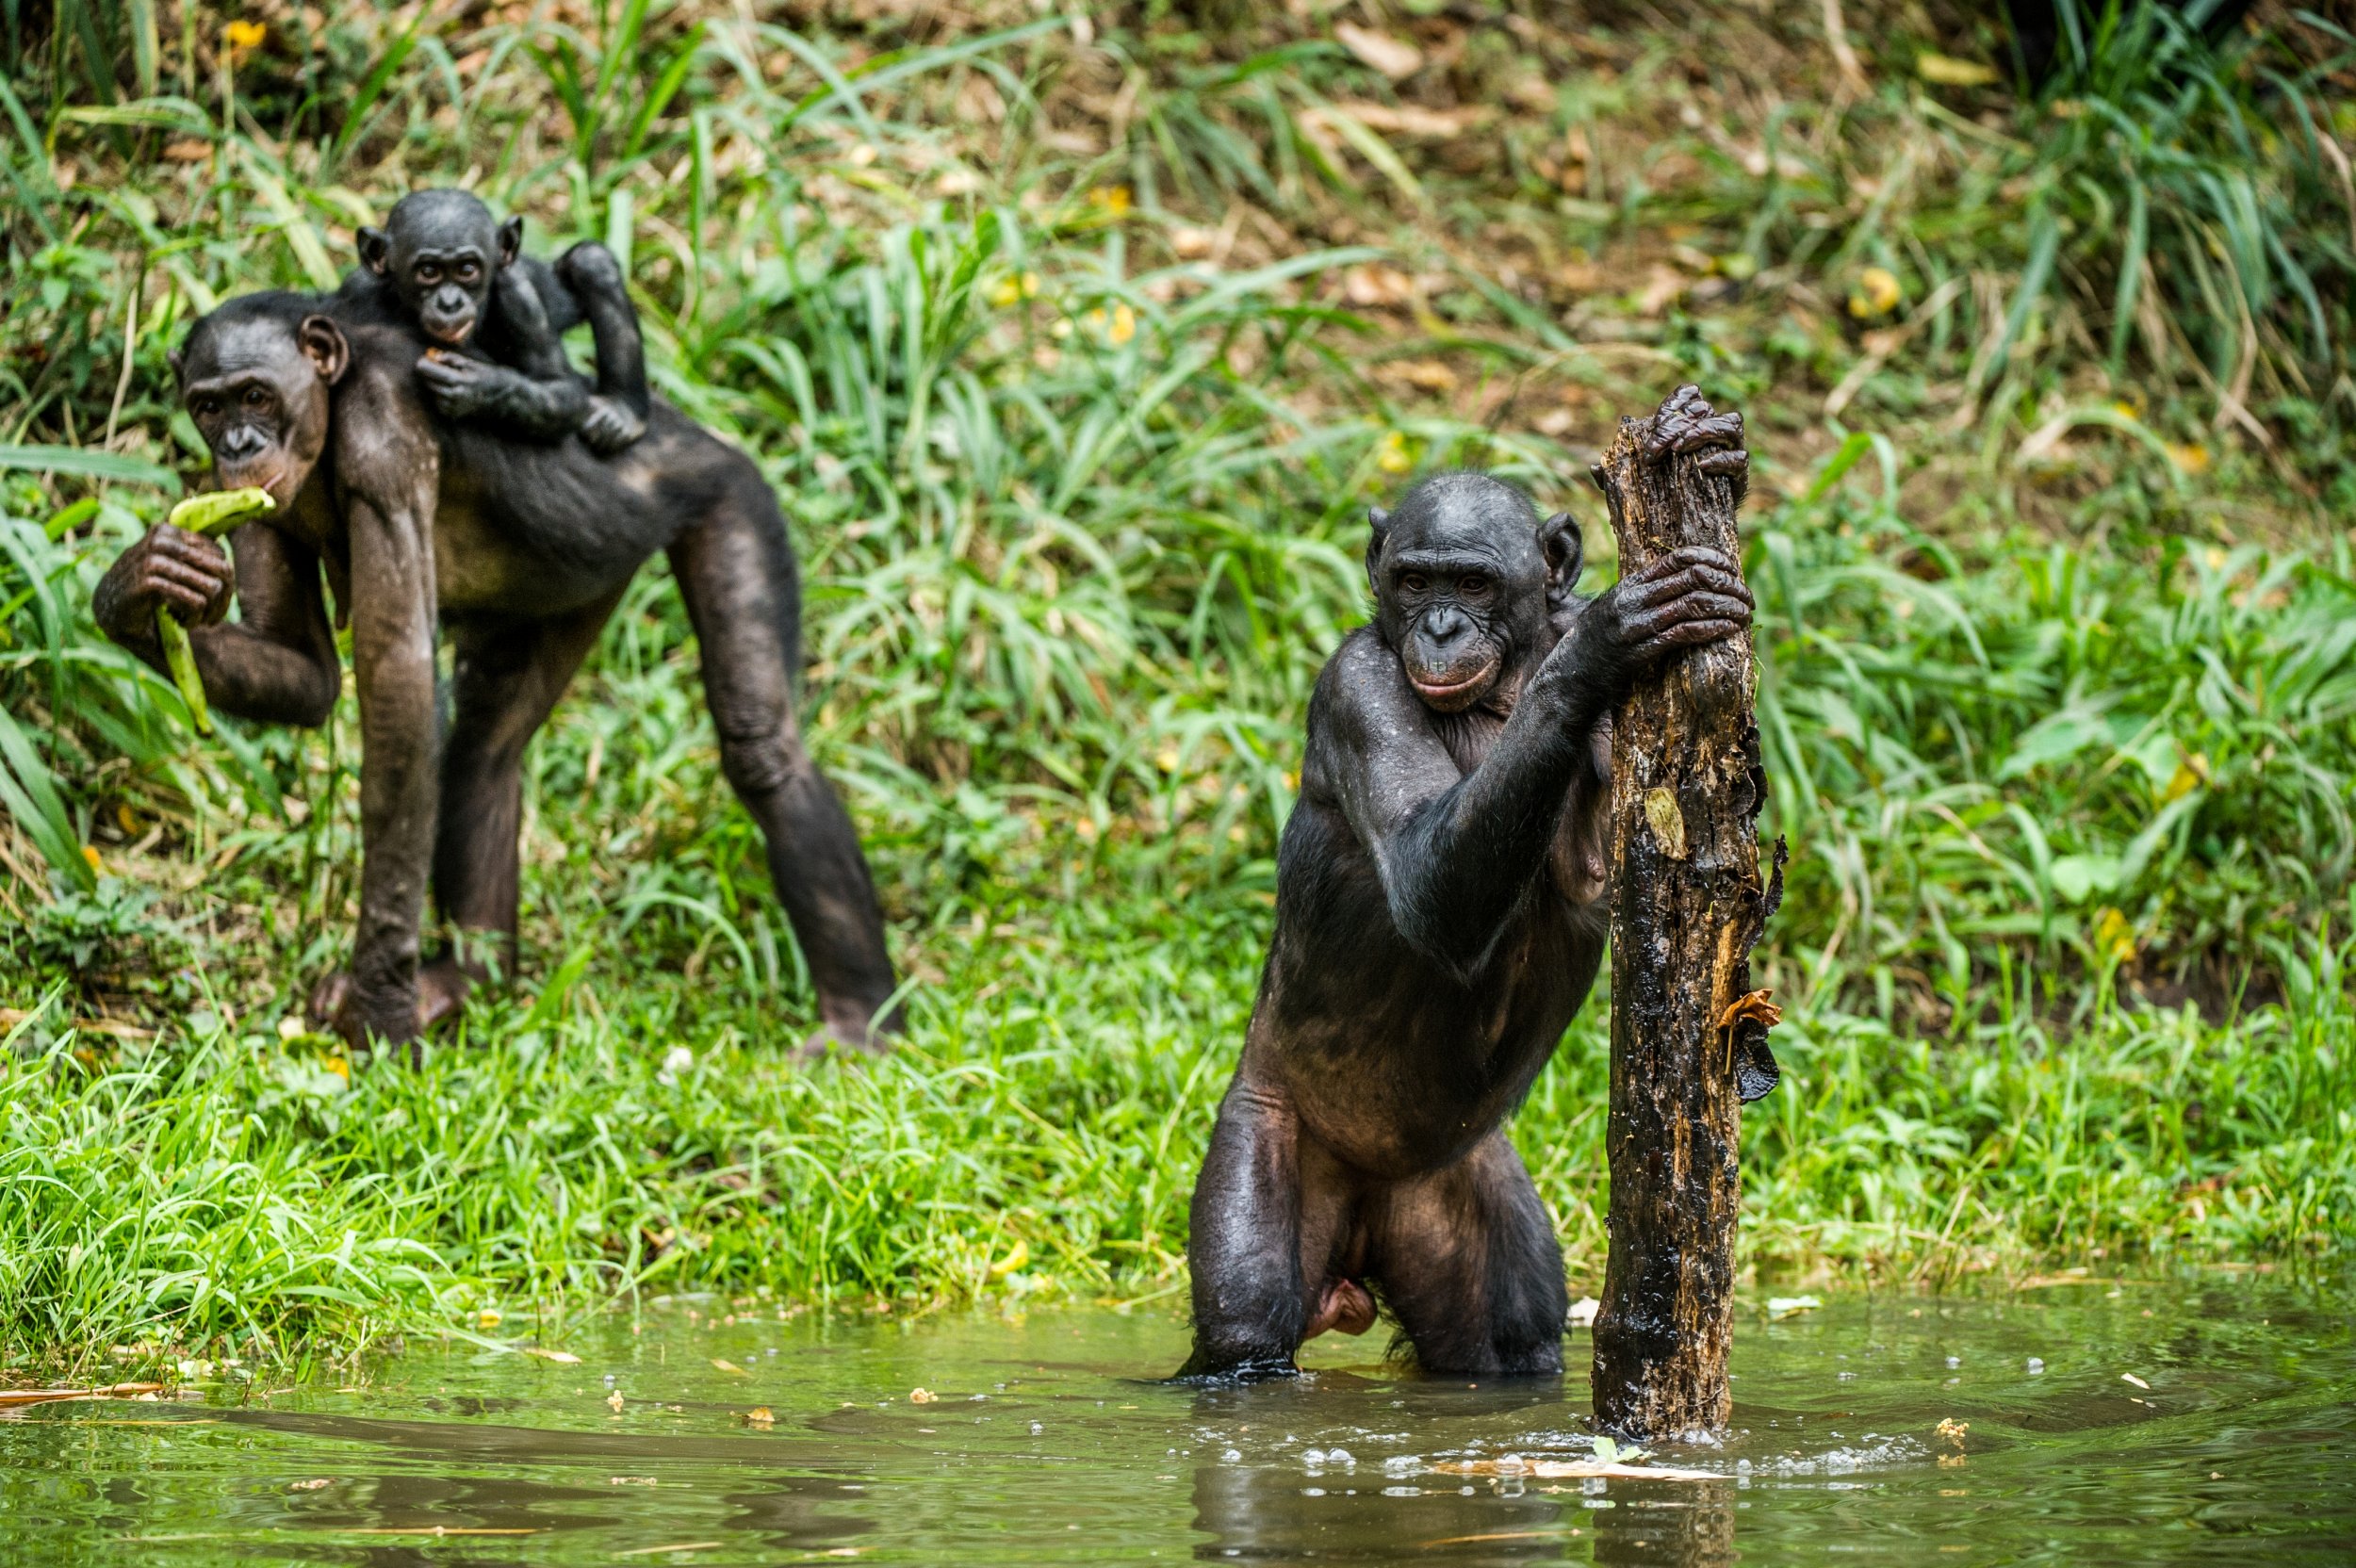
(89, 852)
(1114, 199)
(2114, 937)
(488, 1318)
(1391, 455)
(340, 1068)
(243, 38)
(2190, 458)
(1119, 325)
(1876, 292)
(1013, 289)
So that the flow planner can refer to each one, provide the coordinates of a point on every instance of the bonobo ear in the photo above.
(1378, 528)
(324, 346)
(376, 250)
(1565, 551)
(511, 240)
(178, 359)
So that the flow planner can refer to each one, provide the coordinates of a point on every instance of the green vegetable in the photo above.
(217, 511)
(212, 514)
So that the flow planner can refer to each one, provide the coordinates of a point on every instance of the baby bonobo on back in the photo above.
(1439, 918)
(443, 265)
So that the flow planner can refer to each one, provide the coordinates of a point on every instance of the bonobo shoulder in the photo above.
(1361, 691)
(383, 434)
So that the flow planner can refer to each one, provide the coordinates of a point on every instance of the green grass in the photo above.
(1076, 408)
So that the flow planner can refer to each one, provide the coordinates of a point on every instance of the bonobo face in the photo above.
(1461, 583)
(256, 386)
(440, 250)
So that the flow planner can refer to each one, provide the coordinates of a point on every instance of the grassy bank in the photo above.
(1076, 352)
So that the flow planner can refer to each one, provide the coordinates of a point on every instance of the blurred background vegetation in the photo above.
(1077, 342)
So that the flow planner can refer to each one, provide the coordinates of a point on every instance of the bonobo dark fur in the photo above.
(1439, 919)
(518, 552)
(443, 265)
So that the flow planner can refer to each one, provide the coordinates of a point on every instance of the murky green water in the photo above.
(1047, 1441)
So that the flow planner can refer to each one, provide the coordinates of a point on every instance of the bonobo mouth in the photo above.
(1449, 696)
(452, 332)
(272, 477)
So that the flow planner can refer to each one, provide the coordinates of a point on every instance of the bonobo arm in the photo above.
(277, 664)
(1457, 852)
(389, 465)
(593, 281)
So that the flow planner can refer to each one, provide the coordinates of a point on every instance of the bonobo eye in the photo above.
(1473, 586)
(1414, 582)
(465, 272)
(205, 408)
(427, 272)
(255, 397)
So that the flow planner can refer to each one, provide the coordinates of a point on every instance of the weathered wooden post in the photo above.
(1688, 1033)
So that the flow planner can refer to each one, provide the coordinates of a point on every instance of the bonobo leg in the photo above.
(506, 680)
(507, 677)
(736, 572)
(1469, 1265)
(1269, 1219)
(1250, 1308)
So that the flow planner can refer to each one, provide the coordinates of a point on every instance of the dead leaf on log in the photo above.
(1751, 1006)
(1668, 822)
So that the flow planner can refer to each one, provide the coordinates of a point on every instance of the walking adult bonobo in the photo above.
(1439, 918)
(522, 550)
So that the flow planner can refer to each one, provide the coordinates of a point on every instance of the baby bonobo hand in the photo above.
(459, 386)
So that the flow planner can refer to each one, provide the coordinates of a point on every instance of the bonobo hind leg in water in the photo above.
(1439, 919)
(517, 550)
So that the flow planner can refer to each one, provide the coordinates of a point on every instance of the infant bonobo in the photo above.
(1439, 917)
(443, 265)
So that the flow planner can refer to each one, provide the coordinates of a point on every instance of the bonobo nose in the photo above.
(243, 441)
(1445, 624)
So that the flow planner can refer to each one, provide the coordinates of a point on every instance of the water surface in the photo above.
(1044, 1440)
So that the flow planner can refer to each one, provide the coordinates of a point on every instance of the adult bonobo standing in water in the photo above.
(520, 550)
(1439, 919)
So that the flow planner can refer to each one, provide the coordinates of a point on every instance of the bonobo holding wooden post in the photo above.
(443, 265)
(1439, 919)
(518, 551)
(1689, 1036)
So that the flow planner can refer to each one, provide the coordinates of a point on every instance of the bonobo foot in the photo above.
(838, 1037)
(442, 988)
(609, 426)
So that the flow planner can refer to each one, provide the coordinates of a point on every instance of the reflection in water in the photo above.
(1256, 1515)
(1991, 1432)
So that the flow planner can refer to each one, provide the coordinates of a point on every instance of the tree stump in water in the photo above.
(1688, 1033)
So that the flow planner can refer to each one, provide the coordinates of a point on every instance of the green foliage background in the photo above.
(1076, 349)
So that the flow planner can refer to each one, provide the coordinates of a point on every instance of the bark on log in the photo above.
(1687, 1034)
